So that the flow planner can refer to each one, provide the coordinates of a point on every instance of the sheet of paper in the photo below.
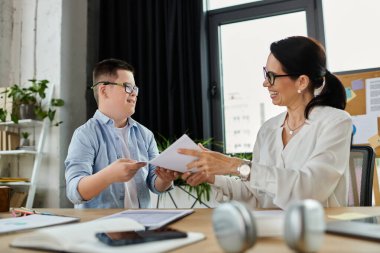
(32, 221)
(366, 127)
(171, 159)
(270, 223)
(153, 218)
(373, 95)
(349, 216)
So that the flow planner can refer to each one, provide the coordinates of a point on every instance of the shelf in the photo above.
(18, 152)
(22, 123)
(15, 183)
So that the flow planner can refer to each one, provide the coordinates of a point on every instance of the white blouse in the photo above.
(314, 164)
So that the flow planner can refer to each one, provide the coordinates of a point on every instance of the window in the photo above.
(239, 47)
(244, 52)
(352, 34)
(217, 4)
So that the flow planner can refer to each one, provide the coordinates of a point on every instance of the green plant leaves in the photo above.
(34, 94)
(203, 190)
(57, 102)
(3, 115)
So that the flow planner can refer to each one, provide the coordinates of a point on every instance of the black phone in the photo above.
(134, 237)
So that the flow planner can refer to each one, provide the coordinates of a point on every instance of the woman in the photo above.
(301, 153)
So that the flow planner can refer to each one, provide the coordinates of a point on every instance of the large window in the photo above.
(239, 45)
(244, 51)
(217, 4)
(352, 34)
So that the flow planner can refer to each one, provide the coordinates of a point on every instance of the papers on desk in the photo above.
(152, 218)
(32, 221)
(81, 238)
(270, 223)
(349, 216)
(171, 159)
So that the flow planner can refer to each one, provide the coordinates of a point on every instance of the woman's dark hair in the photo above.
(306, 56)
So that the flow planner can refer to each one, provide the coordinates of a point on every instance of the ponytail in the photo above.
(333, 94)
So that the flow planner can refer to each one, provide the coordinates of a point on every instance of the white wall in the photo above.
(46, 39)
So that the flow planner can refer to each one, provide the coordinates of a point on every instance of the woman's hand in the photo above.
(211, 162)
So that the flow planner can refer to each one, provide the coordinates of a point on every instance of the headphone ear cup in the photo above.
(234, 227)
(304, 226)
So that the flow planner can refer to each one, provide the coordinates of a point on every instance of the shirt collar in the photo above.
(313, 115)
(108, 121)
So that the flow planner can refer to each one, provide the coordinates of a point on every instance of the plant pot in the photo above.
(27, 111)
(25, 142)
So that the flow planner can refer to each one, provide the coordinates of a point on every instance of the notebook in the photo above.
(366, 228)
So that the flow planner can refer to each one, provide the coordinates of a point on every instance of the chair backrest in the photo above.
(362, 162)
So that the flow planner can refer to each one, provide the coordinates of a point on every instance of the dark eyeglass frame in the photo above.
(128, 87)
(271, 77)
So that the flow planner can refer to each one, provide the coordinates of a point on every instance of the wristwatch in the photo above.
(244, 170)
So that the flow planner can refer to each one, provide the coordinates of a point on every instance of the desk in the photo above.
(200, 221)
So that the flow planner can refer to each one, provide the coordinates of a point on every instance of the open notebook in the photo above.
(81, 238)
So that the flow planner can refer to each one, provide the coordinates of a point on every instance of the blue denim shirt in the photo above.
(94, 146)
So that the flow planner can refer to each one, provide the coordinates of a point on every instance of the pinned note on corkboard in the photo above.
(363, 104)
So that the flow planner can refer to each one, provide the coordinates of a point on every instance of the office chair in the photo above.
(362, 162)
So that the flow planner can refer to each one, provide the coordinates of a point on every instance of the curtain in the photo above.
(161, 39)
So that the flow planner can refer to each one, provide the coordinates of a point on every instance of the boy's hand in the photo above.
(166, 175)
(123, 170)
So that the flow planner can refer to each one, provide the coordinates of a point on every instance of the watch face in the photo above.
(244, 170)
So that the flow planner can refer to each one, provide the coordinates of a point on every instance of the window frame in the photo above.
(245, 12)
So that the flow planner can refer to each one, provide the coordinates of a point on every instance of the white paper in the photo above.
(81, 238)
(373, 95)
(269, 223)
(171, 159)
(366, 127)
(152, 218)
(32, 221)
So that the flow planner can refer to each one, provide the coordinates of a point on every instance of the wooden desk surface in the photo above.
(200, 221)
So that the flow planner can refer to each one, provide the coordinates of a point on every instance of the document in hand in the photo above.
(171, 159)
(153, 218)
(81, 238)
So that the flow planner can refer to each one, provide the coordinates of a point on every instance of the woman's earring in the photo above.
(299, 91)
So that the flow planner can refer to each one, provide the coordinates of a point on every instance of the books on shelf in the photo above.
(13, 179)
(9, 140)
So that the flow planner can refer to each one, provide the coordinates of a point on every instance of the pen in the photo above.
(22, 211)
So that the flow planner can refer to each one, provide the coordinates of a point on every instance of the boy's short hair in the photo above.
(108, 67)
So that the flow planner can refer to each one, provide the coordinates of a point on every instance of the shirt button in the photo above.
(118, 156)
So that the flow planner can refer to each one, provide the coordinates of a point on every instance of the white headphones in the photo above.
(236, 231)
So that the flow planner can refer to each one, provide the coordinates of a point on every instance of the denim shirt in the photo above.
(94, 146)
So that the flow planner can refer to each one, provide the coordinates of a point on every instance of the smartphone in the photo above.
(134, 237)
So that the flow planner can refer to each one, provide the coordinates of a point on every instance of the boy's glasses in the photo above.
(129, 88)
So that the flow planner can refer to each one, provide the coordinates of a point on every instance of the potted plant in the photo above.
(24, 139)
(202, 191)
(28, 103)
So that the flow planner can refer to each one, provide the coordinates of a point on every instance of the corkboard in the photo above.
(355, 80)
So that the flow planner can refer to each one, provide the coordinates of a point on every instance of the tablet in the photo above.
(366, 228)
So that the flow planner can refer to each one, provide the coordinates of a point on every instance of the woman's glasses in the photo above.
(271, 77)
(129, 88)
